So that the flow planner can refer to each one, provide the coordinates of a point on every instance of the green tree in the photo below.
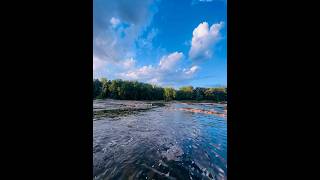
(169, 94)
(114, 89)
(134, 90)
(220, 94)
(198, 93)
(104, 88)
(209, 94)
(97, 88)
(185, 93)
(158, 93)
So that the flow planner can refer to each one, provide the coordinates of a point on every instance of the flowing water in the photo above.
(159, 143)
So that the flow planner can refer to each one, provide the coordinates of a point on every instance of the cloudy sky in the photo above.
(164, 42)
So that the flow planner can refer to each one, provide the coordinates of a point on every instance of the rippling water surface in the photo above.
(160, 143)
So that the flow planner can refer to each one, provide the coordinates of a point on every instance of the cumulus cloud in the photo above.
(117, 25)
(123, 65)
(121, 33)
(203, 38)
(165, 73)
(167, 62)
(142, 73)
(192, 70)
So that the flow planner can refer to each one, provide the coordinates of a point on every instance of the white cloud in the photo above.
(121, 33)
(97, 63)
(142, 73)
(147, 41)
(203, 39)
(114, 22)
(123, 65)
(154, 81)
(114, 45)
(167, 62)
(129, 63)
(165, 73)
(192, 70)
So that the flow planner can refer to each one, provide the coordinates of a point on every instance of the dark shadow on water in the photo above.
(115, 114)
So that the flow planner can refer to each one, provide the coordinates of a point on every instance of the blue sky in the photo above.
(164, 42)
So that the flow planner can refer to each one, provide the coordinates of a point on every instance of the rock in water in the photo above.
(173, 153)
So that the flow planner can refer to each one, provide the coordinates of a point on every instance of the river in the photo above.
(162, 142)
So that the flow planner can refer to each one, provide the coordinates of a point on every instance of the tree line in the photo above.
(134, 90)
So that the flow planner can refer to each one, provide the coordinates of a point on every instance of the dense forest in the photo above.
(134, 90)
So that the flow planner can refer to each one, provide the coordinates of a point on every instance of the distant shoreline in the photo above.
(181, 101)
(134, 90)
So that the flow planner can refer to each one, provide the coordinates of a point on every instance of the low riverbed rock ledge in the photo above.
(201, 111)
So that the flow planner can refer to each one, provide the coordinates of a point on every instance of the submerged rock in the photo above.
(173, 153)
(201, 111)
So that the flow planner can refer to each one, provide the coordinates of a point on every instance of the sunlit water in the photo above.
(161, 143)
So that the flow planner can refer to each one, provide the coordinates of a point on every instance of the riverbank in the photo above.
(162, 101)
